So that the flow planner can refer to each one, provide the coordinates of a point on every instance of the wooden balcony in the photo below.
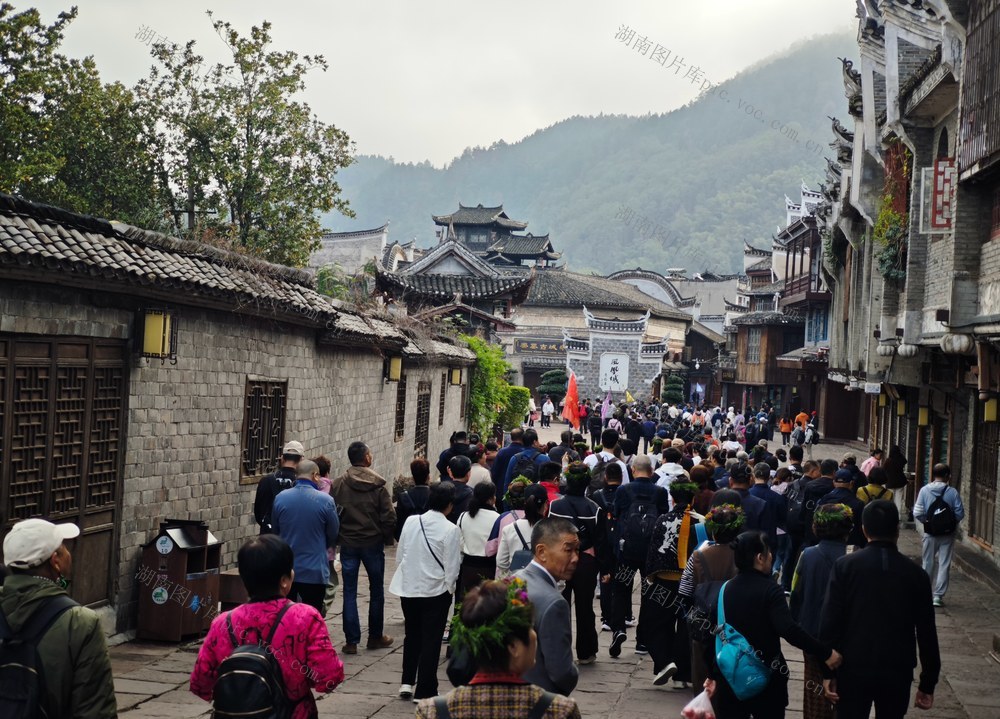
(802, 289)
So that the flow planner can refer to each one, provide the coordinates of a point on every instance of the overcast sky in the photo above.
(423, 80)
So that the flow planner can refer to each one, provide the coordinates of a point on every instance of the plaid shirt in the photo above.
(498, 701)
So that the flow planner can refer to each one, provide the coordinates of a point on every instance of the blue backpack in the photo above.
(746, 673)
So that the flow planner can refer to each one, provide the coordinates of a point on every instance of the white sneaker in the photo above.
(665, 675)
(405, 691)
(631, 622)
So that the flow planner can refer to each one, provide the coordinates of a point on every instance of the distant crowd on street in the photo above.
(737, 540)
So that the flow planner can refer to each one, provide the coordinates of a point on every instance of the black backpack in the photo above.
(22, 683)
(524, 464)
(940, 519)
(797, 512)
(870, 497)
(250, 682)
(598, 471)
(636, 526)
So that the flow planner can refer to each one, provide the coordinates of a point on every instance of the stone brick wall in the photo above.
(184, 421)
(641, 374)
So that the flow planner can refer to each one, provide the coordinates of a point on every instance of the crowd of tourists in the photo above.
(734, 547)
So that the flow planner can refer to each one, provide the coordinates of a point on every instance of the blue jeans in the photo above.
(351, 559)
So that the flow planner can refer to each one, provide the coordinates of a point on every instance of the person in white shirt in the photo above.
(427, 564)
(609, 441)
(517, 535)
(475, 525)
(548, 409)
(480, 472)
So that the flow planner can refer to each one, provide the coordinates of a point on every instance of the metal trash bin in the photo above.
(178, 581)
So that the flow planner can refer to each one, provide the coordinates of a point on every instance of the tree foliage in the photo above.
(516, 407)
(554, 384)
(673, 389)
(66, 138)
(488, 387)
(257, 163)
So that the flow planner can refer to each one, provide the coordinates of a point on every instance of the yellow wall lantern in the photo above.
(159, 335)
(455, 375)
(901, 407)
(394, 369)
(924, 417)
(990, 410)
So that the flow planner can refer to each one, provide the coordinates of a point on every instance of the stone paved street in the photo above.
(151, 679)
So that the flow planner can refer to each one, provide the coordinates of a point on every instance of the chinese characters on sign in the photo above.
(164, 590)
(614, 372)
(540, 346)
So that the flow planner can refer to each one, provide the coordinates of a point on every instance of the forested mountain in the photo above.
(703, 177)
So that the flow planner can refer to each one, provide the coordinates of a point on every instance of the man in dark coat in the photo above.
(880, 648)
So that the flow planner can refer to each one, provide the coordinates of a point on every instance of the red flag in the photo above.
(571, 405)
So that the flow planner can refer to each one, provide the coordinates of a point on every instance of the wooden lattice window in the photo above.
(465, 399)
(61, 406)
(422, 429)
(400, 408)
(263, 427)
(754, 335)
(444, 394)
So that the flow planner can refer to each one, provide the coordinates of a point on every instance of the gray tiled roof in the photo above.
(68, 248)
(479, 215)
(469, 286)
(525, 245)
(561, 288)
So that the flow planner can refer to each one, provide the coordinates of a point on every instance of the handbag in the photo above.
(743, 670)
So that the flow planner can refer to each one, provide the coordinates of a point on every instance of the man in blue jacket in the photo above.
(307, 519)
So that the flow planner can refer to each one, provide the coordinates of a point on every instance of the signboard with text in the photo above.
(614, 372)
(540, 346)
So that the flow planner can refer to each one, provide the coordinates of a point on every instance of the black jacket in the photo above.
(816, 489)
(756, 608)
(877, 609)
(267, 489)
(411, 502)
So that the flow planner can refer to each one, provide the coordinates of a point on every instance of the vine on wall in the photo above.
(891, 232)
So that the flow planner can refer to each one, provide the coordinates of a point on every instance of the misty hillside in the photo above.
(705, 176)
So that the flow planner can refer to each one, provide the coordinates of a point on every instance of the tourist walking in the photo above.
(832, 523)
(494, 627)
(428, 561)
(367, 524)
(271, 485)
(582, 512)
(754, 605)
(475, 526)
(664, 631)
(414, 500)
(71, 651)
(294, 632)
(938, 510)
(556, 549)
(307, 520)
(880, 647)
(896, 480)
(516, 536)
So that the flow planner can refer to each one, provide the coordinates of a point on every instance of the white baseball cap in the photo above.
(32, 541)
(295, 448)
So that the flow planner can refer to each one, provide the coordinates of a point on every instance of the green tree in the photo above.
(673, 389)
(488, 386)
(554, 384)
(235, 142)
(66, 138)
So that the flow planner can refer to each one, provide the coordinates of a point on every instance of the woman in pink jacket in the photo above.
(301, 642)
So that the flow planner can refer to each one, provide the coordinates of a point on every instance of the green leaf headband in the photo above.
(494, 635)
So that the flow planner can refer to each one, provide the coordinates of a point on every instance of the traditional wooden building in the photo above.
(911, 243)
(489, 232)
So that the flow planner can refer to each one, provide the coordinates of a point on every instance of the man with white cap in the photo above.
(72, 654)
(270, 486)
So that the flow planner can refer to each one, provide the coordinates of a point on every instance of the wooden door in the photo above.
(62, 442)
(423, 419)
